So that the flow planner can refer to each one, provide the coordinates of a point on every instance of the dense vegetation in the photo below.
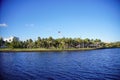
(60, 43)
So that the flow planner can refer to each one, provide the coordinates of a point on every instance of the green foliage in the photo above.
(1, 41)
(60, 43)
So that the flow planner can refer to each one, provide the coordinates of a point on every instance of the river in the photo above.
(102, 64)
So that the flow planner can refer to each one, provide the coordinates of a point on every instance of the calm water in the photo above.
(79, 65)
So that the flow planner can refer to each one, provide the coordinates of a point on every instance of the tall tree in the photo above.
(1, 41)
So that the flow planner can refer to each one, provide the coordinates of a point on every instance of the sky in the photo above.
(72, 18)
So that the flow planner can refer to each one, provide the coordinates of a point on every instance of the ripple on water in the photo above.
(88, 65)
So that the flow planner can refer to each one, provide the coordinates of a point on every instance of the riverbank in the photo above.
(42, 49)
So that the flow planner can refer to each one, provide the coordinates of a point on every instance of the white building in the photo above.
(10, 39)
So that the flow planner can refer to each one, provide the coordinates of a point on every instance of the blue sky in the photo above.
(73, 18)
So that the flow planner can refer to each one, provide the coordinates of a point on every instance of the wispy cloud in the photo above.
(3, 25)
(29, 25)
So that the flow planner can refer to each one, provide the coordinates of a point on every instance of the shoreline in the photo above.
(45, 50)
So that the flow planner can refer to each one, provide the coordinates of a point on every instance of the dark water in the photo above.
(101, 64)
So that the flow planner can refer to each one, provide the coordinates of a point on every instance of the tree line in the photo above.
(59, 43)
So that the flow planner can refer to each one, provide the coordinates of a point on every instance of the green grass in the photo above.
(41, 49)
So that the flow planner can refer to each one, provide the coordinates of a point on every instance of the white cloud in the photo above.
(3, 25)
(29, 25)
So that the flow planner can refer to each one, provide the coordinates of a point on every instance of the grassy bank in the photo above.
(41, 49)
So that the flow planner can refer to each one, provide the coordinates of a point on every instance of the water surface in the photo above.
(101, 64)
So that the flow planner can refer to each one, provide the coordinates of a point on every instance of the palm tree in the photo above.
(86, 42)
